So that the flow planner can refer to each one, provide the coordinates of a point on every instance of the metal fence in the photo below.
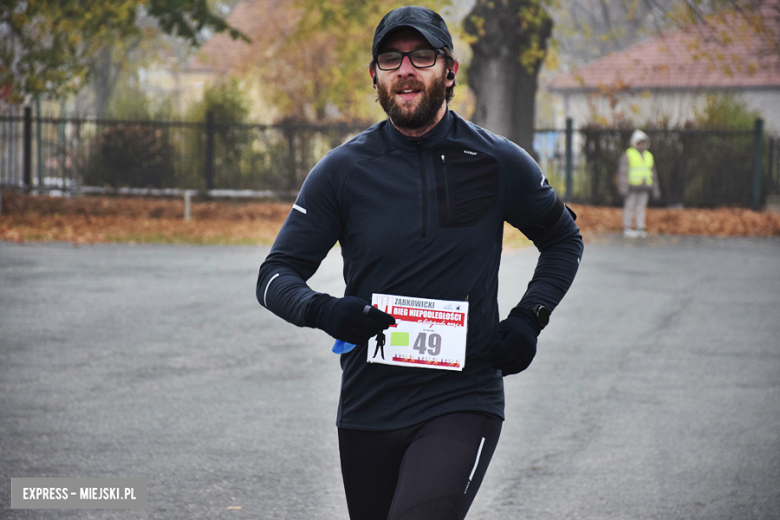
(697, 168)
(69, 153)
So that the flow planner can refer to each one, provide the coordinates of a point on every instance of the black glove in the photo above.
(512, 346)
(349, 319)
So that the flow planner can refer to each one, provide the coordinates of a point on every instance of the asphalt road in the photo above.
(655, 394)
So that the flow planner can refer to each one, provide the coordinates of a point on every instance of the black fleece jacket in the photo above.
(421, 217)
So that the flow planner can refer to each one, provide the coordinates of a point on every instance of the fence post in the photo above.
(292, 179)
(27, 148)
(209, 170)
(39, 140)
(770, 174)
(774, 144)
(63, 154)
(758, 147)
(569, 157)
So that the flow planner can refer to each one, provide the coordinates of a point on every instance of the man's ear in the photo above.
(454, 71)
(372, 73)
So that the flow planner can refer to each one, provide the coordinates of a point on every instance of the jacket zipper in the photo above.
(446, 186)
(424, 191)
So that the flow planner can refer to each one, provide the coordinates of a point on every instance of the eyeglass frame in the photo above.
(437, 53)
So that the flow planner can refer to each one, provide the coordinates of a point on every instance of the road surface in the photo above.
(655, 393)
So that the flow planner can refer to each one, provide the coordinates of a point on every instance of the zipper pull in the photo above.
(442, 158)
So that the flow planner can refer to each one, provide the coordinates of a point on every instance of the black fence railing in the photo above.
(697, 168)
(68, 153)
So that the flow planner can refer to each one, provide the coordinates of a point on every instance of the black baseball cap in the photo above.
(427, 22)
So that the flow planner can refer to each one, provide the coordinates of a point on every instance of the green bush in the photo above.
(130, 155)
(226, 100)
(720, 164)
(232, 143)
(129, 103)
(603, 148)
(724, 111)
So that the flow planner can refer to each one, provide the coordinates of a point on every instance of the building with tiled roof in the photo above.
(670, 75)
(265, 22)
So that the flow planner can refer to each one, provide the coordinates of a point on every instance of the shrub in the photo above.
(130, 155)
(230, 107)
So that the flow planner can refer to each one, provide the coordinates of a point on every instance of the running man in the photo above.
(418, 204)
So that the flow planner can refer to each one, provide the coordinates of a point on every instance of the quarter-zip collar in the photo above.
(426, 142)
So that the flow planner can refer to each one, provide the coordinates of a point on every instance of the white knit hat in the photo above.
(637, 136)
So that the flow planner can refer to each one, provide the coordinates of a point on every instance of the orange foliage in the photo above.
(108, 219)
(720, 222)
(84, 220)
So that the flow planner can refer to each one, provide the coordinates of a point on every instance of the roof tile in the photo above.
(723, 54)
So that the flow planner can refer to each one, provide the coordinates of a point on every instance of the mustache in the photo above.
(411, 84)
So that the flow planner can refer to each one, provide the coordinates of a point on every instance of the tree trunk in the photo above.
(103, 68)
(510, 46)
(106, 72)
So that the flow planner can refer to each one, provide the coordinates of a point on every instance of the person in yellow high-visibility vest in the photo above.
(637, 180)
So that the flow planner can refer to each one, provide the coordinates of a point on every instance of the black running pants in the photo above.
(429, 471)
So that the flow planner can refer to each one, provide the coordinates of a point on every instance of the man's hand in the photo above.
(349, 319)
(512, 346)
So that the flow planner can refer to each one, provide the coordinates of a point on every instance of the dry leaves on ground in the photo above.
(84, 220)
(665, 221)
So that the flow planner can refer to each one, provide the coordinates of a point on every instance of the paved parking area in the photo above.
(655, 394)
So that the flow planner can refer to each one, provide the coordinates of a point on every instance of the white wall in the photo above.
(767, 102)
(679, 107)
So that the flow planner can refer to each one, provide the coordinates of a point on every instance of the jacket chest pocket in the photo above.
(466, 185)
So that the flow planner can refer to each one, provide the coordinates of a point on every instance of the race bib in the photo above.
(427, 333)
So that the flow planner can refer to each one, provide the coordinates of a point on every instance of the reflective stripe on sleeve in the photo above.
(265, 293)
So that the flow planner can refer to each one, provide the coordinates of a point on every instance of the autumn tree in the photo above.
(312, 55)
(588, 29)
(720, 23)
(49, 46)
(510, 39)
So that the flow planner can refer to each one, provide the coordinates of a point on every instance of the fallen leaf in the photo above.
(88, 220)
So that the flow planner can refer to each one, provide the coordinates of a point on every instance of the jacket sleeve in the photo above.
(656, 188)
(310, 231)
(623, 175)
(534, 208)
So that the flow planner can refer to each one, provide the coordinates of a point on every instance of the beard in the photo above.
(402, 114)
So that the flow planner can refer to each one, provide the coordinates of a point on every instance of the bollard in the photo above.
(187, 204)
